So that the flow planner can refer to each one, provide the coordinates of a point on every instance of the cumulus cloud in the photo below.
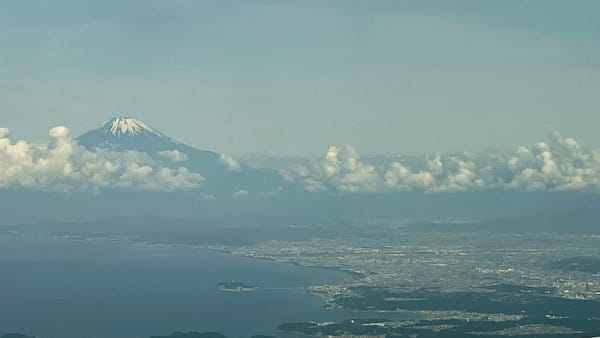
(4, 133)
(557, 164)
(173, 155)
(230, 162)
(348, 173)
(341, 169)
(560, 164)
(402, 178)
(461, 175)
(63, 165)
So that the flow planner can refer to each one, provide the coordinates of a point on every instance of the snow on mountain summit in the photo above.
(127, 126)
(127, 133)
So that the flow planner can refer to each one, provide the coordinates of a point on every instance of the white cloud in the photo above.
(230, 162)
(173, 155)
(560, 164)
(401, 178)
(556, 165)
(347, 173)
(435, 166)
(63, 165)
(4, 132)
(461, 176)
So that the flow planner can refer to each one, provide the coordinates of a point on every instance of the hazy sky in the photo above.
(296, 76)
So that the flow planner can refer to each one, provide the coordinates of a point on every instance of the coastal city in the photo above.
(448, 277)
(450, 262)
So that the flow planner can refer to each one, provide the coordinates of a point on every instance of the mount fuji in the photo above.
(126, 133)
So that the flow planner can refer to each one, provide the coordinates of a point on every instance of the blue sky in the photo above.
(292, 77)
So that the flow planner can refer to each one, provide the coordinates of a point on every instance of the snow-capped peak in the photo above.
(127, 126)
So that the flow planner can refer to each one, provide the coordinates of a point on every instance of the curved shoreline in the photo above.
(353, 275)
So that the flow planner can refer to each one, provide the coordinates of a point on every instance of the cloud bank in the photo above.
(558, 164)
(231, 163)
(173, 155)
(64, 166)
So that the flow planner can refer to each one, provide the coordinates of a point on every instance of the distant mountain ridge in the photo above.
(568, 221)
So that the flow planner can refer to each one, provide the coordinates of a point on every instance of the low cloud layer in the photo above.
(173, 155)
(231, 163)
(64, 166)
(558, 164)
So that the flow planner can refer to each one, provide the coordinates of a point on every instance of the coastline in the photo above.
(353, 275)
(297, 290)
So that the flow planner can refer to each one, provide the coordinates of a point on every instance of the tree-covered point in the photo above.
(500, 299)
(446, 328)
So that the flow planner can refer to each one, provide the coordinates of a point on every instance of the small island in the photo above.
(235, 287)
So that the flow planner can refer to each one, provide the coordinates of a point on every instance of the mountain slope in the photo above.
(126, 133)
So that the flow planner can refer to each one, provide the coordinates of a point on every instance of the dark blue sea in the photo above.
(64, 288)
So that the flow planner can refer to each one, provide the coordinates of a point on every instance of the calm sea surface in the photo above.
(60, 288)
